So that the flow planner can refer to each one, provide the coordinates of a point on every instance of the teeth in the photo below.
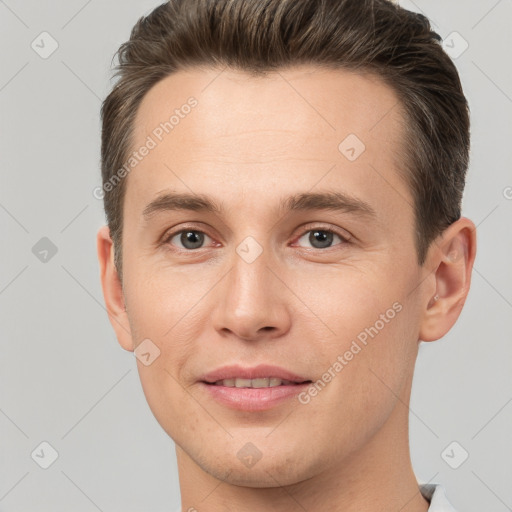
(243, 383)
(258, 383)
(262, 382)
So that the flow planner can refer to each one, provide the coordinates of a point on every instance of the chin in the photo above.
(259, 476)
(242, 467)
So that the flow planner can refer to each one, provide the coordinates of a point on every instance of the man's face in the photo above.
(256, 283)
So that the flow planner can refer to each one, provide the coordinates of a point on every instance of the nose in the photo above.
(252, 303)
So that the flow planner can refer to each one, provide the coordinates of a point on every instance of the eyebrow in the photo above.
(335, 201)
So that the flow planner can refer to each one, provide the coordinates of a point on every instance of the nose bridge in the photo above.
(252, 300)
(250, 274)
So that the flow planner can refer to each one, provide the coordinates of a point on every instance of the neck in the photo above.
(378, 476)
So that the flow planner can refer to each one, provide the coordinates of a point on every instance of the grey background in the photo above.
(64, 378)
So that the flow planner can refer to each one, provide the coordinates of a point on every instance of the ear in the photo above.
(452, 257)
(112, 289)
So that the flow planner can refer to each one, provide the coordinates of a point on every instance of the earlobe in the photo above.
(452, 258)
(112, 289)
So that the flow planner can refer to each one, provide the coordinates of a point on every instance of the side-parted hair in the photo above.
(261, 36)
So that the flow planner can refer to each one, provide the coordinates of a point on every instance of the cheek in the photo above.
(168, 399)
(369, 347)
(167, 309)
(162, 303)
(346, 302)
(367, 387)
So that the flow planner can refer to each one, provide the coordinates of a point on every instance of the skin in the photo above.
(248, 143)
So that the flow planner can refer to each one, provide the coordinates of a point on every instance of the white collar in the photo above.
(436, 495)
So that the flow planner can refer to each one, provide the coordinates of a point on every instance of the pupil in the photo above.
(322, 237)
(192, 239)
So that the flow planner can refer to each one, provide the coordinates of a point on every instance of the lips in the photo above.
(263, 375)
(253, 389)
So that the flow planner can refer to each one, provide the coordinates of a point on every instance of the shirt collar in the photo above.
(436, 495)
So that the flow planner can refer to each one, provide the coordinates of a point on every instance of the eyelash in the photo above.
(345, 238)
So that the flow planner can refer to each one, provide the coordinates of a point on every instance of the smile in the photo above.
(267, 382)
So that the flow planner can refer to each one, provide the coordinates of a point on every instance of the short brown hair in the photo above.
(259, 36)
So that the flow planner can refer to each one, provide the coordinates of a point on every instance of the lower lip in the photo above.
(253, 399)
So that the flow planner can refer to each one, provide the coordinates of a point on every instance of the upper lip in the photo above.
(254, 372)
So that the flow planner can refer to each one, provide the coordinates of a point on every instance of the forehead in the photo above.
(303, 100)
(287, 128)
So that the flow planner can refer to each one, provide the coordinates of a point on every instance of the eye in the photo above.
(189, 239)
(318, 238)
(321, 238)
